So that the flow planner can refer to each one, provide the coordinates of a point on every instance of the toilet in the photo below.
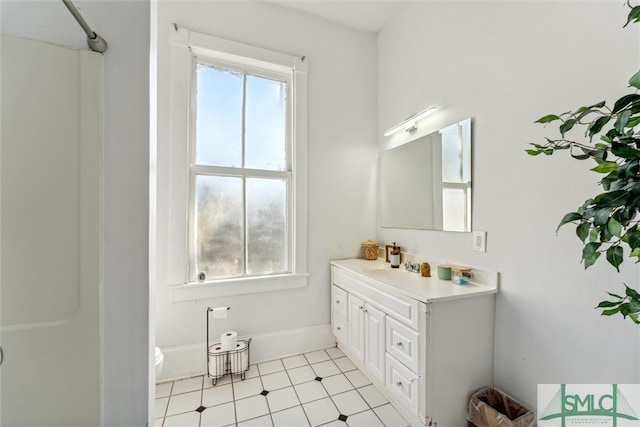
(159, 361)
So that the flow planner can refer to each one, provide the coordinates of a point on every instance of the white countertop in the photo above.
(413, 285)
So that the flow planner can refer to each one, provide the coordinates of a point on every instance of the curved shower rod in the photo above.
(95, 42)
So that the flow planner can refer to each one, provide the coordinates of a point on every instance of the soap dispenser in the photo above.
(394, 256)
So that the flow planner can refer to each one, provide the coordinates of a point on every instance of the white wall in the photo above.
(505, 65)
(125, 26)
(341, 171)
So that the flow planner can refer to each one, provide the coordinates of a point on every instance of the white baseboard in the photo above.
(191, 360)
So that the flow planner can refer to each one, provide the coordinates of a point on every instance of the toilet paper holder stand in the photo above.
(222, 362)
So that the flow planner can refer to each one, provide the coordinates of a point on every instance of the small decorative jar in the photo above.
(370, 250)
(444, 272)
(460, 275)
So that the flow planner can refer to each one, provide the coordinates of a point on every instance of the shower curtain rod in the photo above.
(95, 42)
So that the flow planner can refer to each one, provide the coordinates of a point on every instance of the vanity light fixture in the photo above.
(410, 124)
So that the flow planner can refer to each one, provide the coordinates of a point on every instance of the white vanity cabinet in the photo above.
(427, 348)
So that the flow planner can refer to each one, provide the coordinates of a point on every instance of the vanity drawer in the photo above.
(340, 328)
(402, 383)
(402, 343)
(339, 301)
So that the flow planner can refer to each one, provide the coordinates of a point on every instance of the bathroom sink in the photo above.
(393, 276)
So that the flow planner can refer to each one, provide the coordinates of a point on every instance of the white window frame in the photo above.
(188, 48)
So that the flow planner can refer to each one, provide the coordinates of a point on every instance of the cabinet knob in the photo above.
(399, 344)
(399, 383)
(337, 301)
(338, 328)
(361, 308)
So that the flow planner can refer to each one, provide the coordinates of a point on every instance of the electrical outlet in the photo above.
(479, 242)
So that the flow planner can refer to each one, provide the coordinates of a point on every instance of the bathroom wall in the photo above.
(125, 304)
(50, 320)
(505, 64)
(341, 178)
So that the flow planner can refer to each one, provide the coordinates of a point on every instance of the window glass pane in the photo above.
(465, 140)
(451, 155)
(454, 209)
(219, 226)
(266, 225)
(265, 124)
(218, 117)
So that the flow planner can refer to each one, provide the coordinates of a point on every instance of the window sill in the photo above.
(225, 288)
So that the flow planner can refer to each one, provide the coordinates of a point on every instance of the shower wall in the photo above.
(51, 202)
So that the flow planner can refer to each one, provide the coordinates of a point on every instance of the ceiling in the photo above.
(45, 20)
(25, 18)
(363, 15)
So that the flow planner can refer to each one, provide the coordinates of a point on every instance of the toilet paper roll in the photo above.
(217, 358)
(239, 358)
(229, 340)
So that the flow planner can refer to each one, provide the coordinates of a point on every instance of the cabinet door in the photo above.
(356, 327)
(374, 341)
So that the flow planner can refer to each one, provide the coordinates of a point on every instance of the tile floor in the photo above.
(321, 388)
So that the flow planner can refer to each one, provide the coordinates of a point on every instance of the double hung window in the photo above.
(243, 133)
(240, 174)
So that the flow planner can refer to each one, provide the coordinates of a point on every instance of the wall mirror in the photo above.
(426, 183)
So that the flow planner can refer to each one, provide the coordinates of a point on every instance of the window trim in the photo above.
(188, 48)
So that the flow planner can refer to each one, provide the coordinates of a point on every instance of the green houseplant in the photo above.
(609, 222)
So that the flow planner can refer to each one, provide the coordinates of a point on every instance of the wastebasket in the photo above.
(491, 407)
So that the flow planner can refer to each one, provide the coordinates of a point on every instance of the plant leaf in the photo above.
(597, 125)
(614, 256)
(606, 167)
(590, 253)
(624, 101)
(566, 126)
(582, 231)
(622, 120)
(633, 239)
(601, 217)
(614, 227)
(584, 156)
(635, 79)
(632, 293)
(548, 118)
(625, 151)
(615, 295)
(633, 121)
(633, 16)
(610, 312)
(612, 199)
(607, 304)
(570, 217)
(533, 152)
